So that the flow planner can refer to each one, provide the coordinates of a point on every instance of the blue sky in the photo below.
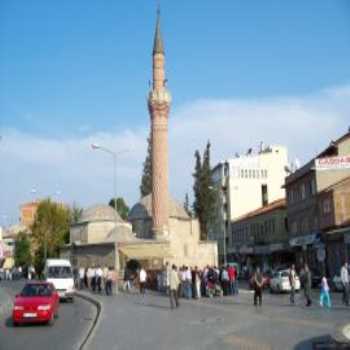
(74, 71)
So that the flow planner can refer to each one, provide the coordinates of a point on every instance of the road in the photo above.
(130, 322)
(67, 333)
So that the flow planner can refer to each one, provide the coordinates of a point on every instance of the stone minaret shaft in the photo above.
(159, 104)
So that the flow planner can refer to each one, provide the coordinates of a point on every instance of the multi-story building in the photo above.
(334, 216)
(302, 187)
(28, 211)
(246, 183)
(260, 238)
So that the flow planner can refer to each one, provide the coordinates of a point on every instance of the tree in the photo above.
(49, 230)
(187, 205)
(146, 180)
(75, 213)
(122, 208)
(204, 192)
(22, 253)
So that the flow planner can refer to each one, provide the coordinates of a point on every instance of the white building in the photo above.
(245, 183)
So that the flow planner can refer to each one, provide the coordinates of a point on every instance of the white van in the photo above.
(60, 273)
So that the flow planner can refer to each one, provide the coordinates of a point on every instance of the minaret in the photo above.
(159, 100)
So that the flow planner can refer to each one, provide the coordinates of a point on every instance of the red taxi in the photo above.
(38, 302)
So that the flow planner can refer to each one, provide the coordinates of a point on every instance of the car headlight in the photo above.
(44, 307)
(18, 308)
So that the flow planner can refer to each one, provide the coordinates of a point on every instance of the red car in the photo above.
(38, 302)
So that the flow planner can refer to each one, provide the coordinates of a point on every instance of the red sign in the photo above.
(328, 163)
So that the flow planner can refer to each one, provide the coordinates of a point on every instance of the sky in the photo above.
(240, 72)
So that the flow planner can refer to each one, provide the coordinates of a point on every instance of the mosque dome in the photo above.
(99, 212)
(143, 209)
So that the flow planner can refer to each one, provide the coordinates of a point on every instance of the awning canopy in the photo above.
(143, 251)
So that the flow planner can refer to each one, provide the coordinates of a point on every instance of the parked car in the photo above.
(59, 272)
(38, 302)
(280, 282)
(337, 284)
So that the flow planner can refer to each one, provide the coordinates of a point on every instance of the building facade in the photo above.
(244, 184)
(302, 190)
(27, 213)
(260, 238)
(334, 216)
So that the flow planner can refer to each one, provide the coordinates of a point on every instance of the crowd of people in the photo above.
(17, 273)
(96, 278)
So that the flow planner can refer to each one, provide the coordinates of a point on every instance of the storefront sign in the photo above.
(264, 249)
(304, 240)
(246, 250)
(333, 163)
(276, 247)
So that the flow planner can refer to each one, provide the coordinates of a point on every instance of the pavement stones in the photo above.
(130, 322)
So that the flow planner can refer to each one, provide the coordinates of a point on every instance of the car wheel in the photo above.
(71, 299)
(271, 290)
(15, 324)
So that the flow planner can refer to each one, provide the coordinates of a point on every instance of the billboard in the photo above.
(333, 163)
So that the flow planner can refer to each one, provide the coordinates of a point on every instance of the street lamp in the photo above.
(95, 146)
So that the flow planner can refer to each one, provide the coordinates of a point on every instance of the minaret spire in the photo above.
(159, 101)
(158, 42)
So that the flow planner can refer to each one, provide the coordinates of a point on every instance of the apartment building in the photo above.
(246, 183)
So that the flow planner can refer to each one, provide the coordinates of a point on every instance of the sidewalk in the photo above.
(131, 322)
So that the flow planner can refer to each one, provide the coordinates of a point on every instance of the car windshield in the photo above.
(59, 272)
(36, 290)
(284, 274)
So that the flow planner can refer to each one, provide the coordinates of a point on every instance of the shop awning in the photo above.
(146, 251)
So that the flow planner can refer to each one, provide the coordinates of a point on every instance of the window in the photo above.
(242, 174)
(305, 225)
(303, 191)
(246, 173)
(264, 195)
(326, 206)
(313, 186)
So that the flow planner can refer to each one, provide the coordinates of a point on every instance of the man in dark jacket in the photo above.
(258, 283)
(307, 282)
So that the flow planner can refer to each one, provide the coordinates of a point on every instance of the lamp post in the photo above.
(114, 155)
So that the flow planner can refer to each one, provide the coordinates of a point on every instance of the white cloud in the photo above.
(304, 124)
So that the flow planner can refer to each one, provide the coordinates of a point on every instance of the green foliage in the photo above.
(22, 254)
(122, 208)
(187, 205)
(50, 230)
(204, 192)
(75, 213)
(146, 181)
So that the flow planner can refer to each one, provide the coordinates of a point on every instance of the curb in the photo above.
(6, 305)
(99, 308)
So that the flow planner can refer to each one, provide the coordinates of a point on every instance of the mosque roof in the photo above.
(100, 212)
(143, 209)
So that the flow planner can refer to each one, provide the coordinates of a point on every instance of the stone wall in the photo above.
(186, 247)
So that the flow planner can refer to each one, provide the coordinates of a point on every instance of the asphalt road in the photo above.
(67, 332)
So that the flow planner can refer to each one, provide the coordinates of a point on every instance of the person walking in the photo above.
(81, 277)
(307, 282)
(174, 283)
(344, 276)
(142, 279)
(325, 299)
(111, 278)
(196, 279)
(166, 278)
(188, 283)
(258, 283)
(292, 281)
